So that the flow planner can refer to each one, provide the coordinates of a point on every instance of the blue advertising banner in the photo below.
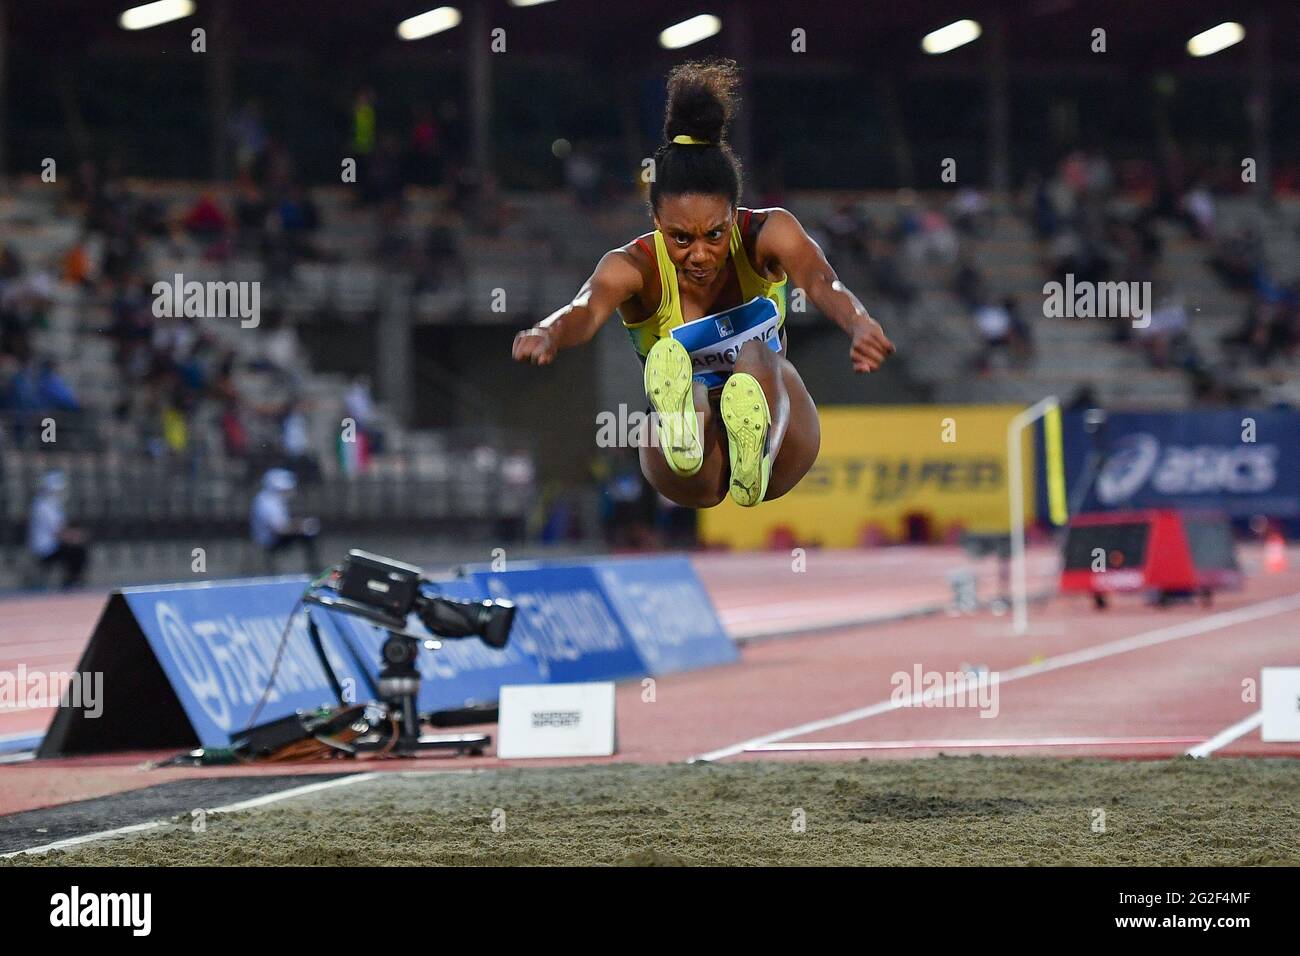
(217, 642)
(565, 622)
(666, 611)
(661, 608)
(1237, 461)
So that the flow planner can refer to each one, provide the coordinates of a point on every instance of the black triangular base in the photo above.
(140, 709)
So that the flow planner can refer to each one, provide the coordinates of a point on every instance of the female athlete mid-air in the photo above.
(703, 298)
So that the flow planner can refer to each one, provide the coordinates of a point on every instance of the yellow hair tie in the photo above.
(691, 141)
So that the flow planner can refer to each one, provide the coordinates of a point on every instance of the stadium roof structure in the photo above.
(1045, 33)
(280, 43)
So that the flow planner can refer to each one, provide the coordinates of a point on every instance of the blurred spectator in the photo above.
(582, 175)
(278, 174)
(295, 438)
(364, 121)
(234, 435)
(8, 369)
(121, 244)
(425, 147)
(971, 213)
(50, 540)
(384, 178)
(1238, 258)
(490, 213)
(993, 322)
(75, 268)
(52, 391)
(15, 336)
(889, 274)
(1198, 207)
(299, 220)
(1044, 215)
(27, 296)
(932, 240)
(627, 509)
(205, 219)
(1167, 328)
(24, 388)
(273, 528)
(394, 246)
(251, 211)
(440, 258)
(281, 351)
(249, 136)
(848, 230)
(1271, 326)
(1071, 252)
(1022, 336)
(174, 425)
(11, 264)
(476, 197)
(1100, 176)
(359, 405)
(968, 284)
(208, 223)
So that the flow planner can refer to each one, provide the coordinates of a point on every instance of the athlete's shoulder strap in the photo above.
(667, 281)
(748, 275)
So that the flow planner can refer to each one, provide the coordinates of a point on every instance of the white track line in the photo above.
(88, 838)
(796, 610)
(1174, 632)
(295, 792)
(783, 628)
(988, 743)
(747, 634)
(1227, 736)
(232, 808)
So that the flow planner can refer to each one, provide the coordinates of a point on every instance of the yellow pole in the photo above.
(1054, 454)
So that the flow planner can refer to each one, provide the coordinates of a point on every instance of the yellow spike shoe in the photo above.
(669, 386)
(747, 421)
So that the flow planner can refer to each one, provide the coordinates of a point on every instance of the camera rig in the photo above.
(386, 592)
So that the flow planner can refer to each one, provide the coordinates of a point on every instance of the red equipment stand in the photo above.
(1155, 551)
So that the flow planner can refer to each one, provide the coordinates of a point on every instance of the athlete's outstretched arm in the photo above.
(785, 240)
(615, 281)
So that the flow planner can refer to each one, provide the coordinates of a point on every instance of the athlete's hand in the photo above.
(870, 345)
(534, 345)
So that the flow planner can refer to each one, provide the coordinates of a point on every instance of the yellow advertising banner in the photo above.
(881, 464)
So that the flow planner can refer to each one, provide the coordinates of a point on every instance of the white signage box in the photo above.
(1279, 699)
(556, 720)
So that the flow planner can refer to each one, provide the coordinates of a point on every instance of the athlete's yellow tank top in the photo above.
(668, 315)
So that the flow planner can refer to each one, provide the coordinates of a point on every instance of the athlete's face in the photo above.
(697, 232)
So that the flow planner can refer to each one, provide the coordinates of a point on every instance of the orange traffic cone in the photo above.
(1275, 552)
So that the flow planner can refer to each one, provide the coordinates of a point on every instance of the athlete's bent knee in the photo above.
(754, 353)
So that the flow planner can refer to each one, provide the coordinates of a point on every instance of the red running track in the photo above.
(1129, 682)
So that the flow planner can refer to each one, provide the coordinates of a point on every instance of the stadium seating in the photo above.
(539, 260)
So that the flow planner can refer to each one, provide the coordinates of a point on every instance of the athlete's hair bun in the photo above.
(701, 99)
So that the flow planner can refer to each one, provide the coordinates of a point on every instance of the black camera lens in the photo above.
(488, 620)
(494, 623)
